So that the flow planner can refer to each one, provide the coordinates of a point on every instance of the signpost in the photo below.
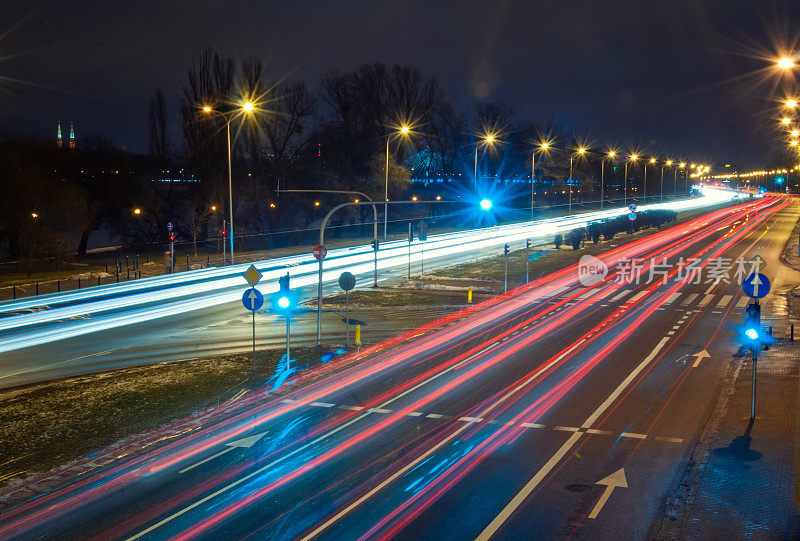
(171, 248)
(252, 299)
(756, 286)
(347, 282)
(527, 261)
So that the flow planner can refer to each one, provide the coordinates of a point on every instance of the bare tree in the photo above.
(158, 136)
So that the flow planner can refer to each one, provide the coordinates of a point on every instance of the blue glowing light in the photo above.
(486, 204)
(284, 302)
(752, 334)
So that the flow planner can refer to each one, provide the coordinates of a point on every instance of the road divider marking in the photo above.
(620, 295)
(633, 435)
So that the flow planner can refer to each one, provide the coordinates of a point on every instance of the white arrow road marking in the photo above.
(616, 479)
(700, 356)
(244, 443)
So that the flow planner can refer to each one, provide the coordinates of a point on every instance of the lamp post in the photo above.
(633, 158)
(644, 186)
(544, 146)
(581, 151)
(246, 107)
(487, 140)
(402, 131)
(668, 163)
(611, 155)
(675, 187)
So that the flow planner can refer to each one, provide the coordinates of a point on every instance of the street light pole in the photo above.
(533, 171)
(386, 192)
(230, 184)
(662, 182)
(626, 182)
(569, 184)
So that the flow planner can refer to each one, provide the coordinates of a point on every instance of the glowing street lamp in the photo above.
(137, 211)
(403, 131)
(793, 142)
(543, 147)
(247, 107)
(785, 63)
(611, 155)
(786, 121)
(631, 158)
(579, 152)
(791, 103)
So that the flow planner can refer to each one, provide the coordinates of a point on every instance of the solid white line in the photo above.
(512, 506)
(618, 391)
(212, 457)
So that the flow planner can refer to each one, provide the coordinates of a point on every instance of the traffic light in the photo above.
(752, 323)
(528, 243)
(224, 232)
(422, 234)
(506, 249)
(171, 237)
(284, 299)
(486, 204)
(374, 245)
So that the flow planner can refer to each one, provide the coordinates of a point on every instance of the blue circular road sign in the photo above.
(252, 299)
(632, 216)
(756, 285)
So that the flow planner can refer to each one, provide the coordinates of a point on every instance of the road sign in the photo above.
(347, 281)
(252, 299)
(252, 275)
(319, 252)
(756, 285)
(169, 226)
(632, 216)
(632, 207)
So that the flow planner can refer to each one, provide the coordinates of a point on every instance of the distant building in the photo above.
(59, 140)
(71, 135)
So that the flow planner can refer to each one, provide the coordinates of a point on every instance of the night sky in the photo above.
(681, 77)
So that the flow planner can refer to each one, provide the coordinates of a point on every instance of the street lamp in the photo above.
(580, 152)
(544, 146)
(668, 163)
(402, 131)
(246, 107)
(785, 63)
(644, 186)
(488, 139)
(611, 155)
(791, 103)
(786, 121)
(632, 158)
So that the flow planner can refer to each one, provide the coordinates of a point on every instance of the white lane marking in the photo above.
(637, 296)
(566, 428)
(288, 401)
(723, 302)
(414, 413)
(620, 295)
(633, 435)
(671, 440)
(558, 291)
(531, 425)
(672, 298)
(706, 300)
(689, 298)
(742, 302)
(321, 404)
(586, 294)
(670, 333)
(520, 497)
(379, 410)
(471, 419)
(434, 416)
(353, 408)
(596, 431)
(529, 487)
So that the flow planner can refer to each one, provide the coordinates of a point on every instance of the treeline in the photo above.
(330, 135)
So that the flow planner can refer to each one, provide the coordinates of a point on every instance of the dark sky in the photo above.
(678, 77)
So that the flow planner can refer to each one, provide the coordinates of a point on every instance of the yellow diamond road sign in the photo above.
(252, 275)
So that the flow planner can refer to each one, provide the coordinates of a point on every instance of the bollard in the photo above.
(37, 289)
(469, 296)
(187, 262)
(126, 262)
(129, 274)
(14, 291)
(98, 280)
(106, 267)
(137, 261)
(79, 283)
(791, 333)
(357, 341)
(147, 258)
(208, 261)
(117, 275)
(58, 285)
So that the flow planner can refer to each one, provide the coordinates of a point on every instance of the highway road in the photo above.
(556, 410)
(199, 313)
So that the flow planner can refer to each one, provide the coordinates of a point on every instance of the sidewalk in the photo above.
(740, 483)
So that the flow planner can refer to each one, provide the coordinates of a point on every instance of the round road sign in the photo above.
(347, 281)
(632, 216)
(756, 285)
(252, 299)
(319, 252)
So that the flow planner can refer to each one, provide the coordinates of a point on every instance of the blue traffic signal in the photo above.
(486, 204)
(752, 334)
(285, 299)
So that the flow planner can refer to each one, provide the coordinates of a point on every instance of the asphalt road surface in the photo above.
(557, 410)
(200, 313)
